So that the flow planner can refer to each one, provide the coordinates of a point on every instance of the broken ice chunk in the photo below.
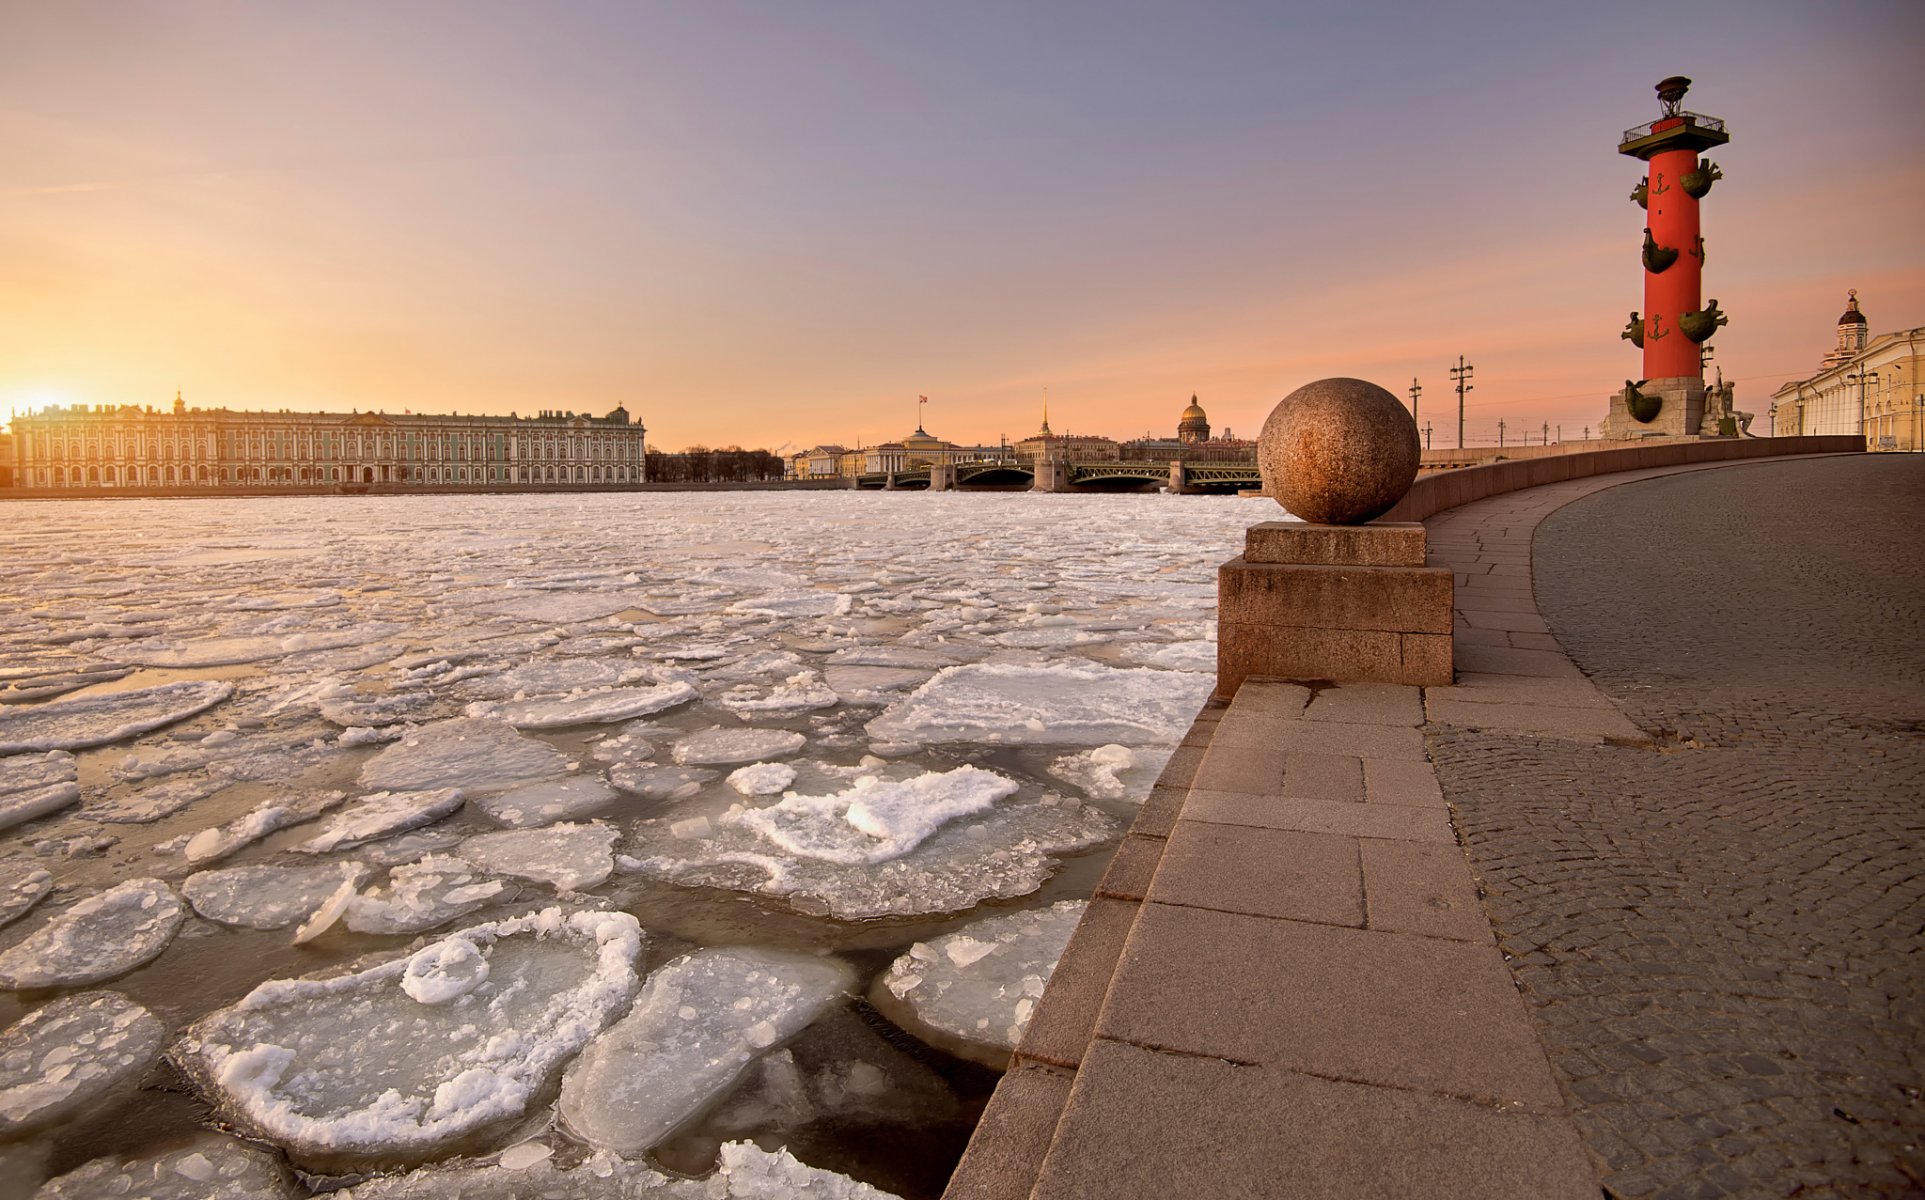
(21, 887)
(567, 857)
(17, 808)
(724, 746)
(477, 755)
(762, 779)
(877, 819)
(587, 708)
(379, 815)
(659, 783)
(257, 823)
(697, 1025)
(1060, 703)
(1003, 852)
(421, 895)
(57, 1058)
(545, 803)
(1113, 772)
(105, 935)
(209, 1168)
(97, 720)
(267, 897)
(418, 1075)
(971, 992)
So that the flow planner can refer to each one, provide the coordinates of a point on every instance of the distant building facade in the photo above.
(1875, 380)
(129, 446)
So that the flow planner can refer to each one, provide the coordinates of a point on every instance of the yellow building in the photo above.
(128, 446)
(1868, 384)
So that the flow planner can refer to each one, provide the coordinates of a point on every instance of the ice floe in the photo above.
(267, 897)
(76, 1049)
(877, 819)
(538, 804)
(21, 887)
(699, 1022)
(379, 815)
(566, 857)
(585, 708)
(1059, 703)
(659, 782)
(726, 746)
(210, 1168)
(107, 934)
(1004, 852)
(83, 721)
(972, 991)
(355, 1064)
(762, 779)
(418, 896)
(259, 821)
(1113, 772)
(476, 755)
(745, 1172)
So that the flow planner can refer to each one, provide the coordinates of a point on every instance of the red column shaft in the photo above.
(1668, 354)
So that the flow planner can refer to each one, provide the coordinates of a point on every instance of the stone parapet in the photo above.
(1448, 489)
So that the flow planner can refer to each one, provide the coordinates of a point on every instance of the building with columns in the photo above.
(1863, 383)
(102, 447)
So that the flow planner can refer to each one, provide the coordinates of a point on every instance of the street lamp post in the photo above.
(1861, 378)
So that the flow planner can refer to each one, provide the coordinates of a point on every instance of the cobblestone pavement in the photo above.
(1720, 936)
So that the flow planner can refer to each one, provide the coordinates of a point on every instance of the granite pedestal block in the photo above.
(1344, 603)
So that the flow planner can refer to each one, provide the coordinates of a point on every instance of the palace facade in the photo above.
(129, 446)
(1864, 385)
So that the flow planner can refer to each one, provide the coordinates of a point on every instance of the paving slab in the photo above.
(1310, 776)
(1145, 1125)
(1421, 888)
(1374, 1007)
(1320, 816)
(1396, 782)
(1367, 704)
(1262, 872)
(1592, 722)
(1335, 737)
(1241, 766)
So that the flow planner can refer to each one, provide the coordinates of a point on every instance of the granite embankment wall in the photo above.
(1433, 493)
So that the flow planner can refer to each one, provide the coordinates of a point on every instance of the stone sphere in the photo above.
(1338, 451)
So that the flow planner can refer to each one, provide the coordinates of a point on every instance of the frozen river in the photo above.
(561, 845)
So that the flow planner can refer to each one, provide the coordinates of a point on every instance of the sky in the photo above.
(775, 225)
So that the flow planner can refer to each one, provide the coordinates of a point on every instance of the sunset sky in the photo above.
(781, 223)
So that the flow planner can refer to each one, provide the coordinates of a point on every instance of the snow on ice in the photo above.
(355, 1063)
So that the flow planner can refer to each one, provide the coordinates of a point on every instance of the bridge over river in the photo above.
(1073, 476)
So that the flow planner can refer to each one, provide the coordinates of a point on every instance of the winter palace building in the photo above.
(128, 446)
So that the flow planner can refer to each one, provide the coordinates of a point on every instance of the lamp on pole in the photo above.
(1861, 378)
(1461, 374)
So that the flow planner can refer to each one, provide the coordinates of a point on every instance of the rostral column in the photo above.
(1675, 323)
